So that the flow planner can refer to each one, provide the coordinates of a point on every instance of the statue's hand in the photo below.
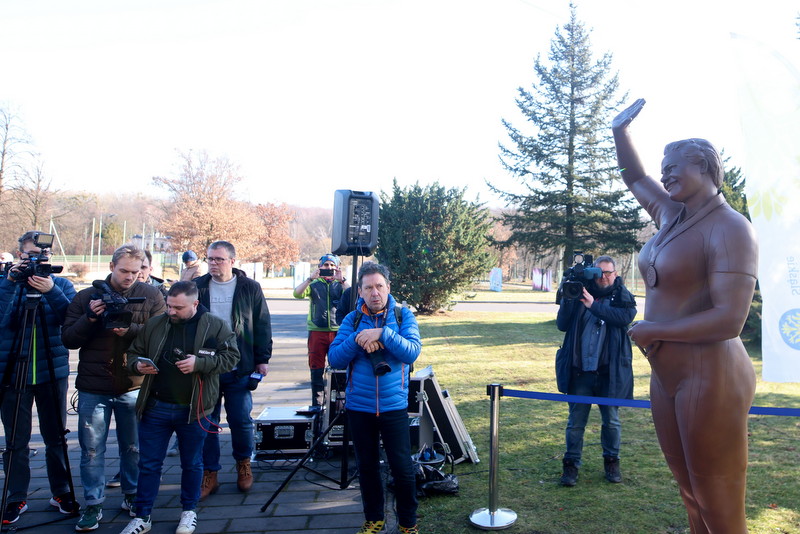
(626, 116)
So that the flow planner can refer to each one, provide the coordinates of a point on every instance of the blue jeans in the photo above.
(238, 405)
(367, 430)
(94, 416)
(592, 385)
(159, 421)
(52, 416)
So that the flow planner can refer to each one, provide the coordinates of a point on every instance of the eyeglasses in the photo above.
(607, 273)
(217, 260)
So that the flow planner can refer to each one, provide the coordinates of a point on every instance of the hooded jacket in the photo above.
(250, 319)
(617, 308)
(101, 359)
(51, 311)
(365, 391)
(212, 333)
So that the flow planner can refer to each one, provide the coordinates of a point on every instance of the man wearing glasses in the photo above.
(238, 300)
(595, 360)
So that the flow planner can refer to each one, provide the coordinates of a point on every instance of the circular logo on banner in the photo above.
(789, 326)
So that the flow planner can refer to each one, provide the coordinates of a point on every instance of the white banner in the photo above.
(769, 101)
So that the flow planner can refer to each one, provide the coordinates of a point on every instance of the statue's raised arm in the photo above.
(648, 191)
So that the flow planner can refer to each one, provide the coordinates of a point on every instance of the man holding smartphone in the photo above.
(324, 288)
(181, 355)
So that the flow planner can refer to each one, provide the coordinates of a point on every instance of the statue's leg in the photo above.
(669, 437)
(712, 416)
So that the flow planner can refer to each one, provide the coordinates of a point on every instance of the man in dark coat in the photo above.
(104, 385)
(595, 360)
(239, 301)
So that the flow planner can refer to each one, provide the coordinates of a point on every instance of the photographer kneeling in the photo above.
(595, 360)
(377, 343)
(29, 283)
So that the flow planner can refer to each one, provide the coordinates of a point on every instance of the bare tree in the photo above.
(33, 195)
(277, 248)
(14, 143)
(203, 208)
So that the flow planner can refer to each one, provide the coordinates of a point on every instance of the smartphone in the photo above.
(327, 272)
(148, 361)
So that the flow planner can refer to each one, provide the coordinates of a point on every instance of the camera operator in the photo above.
(324, 288)
(595, 360)
(377, 398)
(104, 386)
(51, 399)
(6, 261)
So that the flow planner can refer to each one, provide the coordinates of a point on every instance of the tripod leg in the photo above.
(303, 460)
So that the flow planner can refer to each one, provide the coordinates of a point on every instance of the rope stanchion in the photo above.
(610, 401)
(493, 518)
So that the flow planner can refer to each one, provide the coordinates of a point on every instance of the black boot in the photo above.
(613, 473)
(570, 475)
(317, 387)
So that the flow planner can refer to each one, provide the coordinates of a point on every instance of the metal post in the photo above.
(493, 518)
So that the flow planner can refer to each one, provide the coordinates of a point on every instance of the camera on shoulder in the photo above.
(578, 276)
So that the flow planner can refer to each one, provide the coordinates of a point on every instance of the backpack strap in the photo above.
(398, 315)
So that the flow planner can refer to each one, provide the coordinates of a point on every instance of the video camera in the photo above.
(576, 277)
(36, 264)
(115, 314)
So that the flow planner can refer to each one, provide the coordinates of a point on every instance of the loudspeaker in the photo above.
(355, 222)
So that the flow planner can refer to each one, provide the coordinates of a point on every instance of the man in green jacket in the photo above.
(324, 289)
(181, 354)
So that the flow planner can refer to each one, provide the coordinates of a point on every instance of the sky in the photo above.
(311, 96)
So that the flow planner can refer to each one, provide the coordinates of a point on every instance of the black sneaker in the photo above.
(13, 511)
(613, 473)
(66, 503)
(570, 475)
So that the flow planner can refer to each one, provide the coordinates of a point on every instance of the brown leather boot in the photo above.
(210, 484)
(245, 478)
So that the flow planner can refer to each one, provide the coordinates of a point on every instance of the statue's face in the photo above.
(681, 178)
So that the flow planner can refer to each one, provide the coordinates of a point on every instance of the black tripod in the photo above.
(345, 477)
(29, 306)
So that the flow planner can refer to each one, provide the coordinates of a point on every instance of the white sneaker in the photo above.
(187, 523)
(138, 525)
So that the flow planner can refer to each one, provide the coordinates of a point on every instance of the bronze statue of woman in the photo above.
(700, 272)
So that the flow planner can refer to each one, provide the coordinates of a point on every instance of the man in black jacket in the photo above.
(104, 386)
(238, 300)
(595, 360)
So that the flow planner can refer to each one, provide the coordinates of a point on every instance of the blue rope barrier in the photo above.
(608, 401)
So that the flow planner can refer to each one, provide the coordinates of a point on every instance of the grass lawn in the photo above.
(469, 350)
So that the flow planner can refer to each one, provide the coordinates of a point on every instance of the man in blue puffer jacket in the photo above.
(378, 351)
(56, 293)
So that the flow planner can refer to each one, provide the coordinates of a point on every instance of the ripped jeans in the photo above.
(94, 417)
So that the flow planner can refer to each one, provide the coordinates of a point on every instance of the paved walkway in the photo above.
(309, 503)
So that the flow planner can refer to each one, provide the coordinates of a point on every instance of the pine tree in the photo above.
(434, 242)
(574, 198)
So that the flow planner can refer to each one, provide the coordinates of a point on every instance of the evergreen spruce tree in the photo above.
(574, 198)
(434, 242)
